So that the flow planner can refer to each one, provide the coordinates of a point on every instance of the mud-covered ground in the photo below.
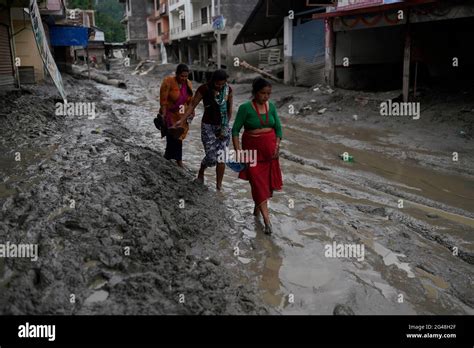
(418, 258)
(120, 230)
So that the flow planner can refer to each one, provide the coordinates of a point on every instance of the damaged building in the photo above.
(390, 44)
(183, 30)
(368, 44)
(289, 36)
(136, 31)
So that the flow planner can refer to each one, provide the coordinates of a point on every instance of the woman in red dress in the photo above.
(262, 135)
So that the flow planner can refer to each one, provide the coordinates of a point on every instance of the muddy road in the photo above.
(417, 259)
(119, 229)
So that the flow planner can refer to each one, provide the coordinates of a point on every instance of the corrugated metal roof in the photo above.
(266, 19)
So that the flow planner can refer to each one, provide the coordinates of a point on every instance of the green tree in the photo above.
(108, 14)
(82, 4)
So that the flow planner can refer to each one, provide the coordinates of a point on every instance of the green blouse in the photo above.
(248, 118)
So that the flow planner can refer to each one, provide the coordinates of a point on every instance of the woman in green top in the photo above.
(262, 136)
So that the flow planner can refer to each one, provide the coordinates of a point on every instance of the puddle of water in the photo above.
(436, 280)
(431, 184)
(97, 283)
(97, 296)
(449, 216)
(389, 257)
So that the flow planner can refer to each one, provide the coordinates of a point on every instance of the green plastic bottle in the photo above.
(346, 157)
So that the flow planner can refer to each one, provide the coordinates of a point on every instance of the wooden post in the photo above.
(330, 42)
(406, 62)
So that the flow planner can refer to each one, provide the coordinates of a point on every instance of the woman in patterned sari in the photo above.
(215, 131)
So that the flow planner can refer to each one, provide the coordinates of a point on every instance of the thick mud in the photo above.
(418, 258)
(120, 230)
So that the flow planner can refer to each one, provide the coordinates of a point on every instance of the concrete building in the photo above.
(135, 19)
(20, 61)
(193, 38)
(32, 67)
(158, 29)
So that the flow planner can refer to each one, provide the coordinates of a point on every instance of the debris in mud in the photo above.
(97, 76)
(282, 101)
(144, 67)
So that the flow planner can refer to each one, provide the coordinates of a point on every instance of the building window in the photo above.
(157, 5)
(204, 18)
(159, 29)
(129, 7)
(183, 23)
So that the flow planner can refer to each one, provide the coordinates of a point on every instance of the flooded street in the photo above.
(360, 113)
(414, 221)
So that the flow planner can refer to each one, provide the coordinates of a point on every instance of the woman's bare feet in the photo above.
(256, 211)
(268, 228)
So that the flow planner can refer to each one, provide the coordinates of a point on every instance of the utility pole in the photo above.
(218, 37)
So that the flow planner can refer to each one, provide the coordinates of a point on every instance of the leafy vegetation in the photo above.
(107, 16)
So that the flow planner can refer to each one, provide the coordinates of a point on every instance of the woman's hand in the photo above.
(276, 154)
(181, 120)
(237, 148)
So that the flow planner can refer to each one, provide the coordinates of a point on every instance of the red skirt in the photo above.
(265, 177)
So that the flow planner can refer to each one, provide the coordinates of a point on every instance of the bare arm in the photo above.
(236, 142)
(196, 100)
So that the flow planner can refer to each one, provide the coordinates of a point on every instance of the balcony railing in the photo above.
(195, 24)
(199, 23)
(175, 30)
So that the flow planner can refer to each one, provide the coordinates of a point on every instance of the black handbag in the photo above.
(160, 124)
